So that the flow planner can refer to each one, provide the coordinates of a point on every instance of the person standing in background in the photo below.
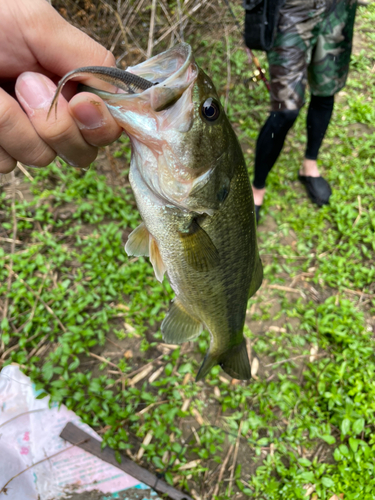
(312, 46)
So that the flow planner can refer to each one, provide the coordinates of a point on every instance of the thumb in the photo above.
(59, 46)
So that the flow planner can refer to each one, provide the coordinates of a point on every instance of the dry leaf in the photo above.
(196, 436)
(129, 328)
(190, 465)
(186, 405)
(141, 375)
(145, 442)
(156, 374)
(277, 329)
(310, 488)
(122, 307)
(193, 492)
(169, 346)
(254, 368)
(198, 417)
(313, 353)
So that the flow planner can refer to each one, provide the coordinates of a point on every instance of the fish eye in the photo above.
(210, 110)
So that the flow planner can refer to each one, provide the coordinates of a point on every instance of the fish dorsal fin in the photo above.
(257, 277)
(138, 242)
(178, 326)
(156, 260)
(200, 252)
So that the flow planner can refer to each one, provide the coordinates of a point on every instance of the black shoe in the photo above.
(317, 188)
(257, 212)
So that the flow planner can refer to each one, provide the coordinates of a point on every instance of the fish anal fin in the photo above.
(156, 260)
(178, 326)
(199, 250)
(209, 362)
(235, 362)
(138, 242)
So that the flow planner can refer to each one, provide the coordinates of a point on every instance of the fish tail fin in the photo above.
(209, 362)
(235, 362)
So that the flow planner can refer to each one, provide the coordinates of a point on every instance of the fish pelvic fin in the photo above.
(235, 362)
(199, 250)
(156, 260)
(141, 244)
(138, 242)
(257, 278)
(178, 326)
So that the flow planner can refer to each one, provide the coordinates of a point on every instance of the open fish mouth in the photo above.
(161, 79)
(168, 68)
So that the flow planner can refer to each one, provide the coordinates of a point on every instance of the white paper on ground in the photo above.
(35, 436)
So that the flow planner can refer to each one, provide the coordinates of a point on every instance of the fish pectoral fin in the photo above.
(235, 362)
(138, 242)
(178, 326)
(156, 260)
(199, 250)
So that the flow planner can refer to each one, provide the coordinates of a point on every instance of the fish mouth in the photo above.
(167, 68)
(169, 74)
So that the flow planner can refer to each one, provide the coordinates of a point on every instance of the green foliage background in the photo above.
(301, 423)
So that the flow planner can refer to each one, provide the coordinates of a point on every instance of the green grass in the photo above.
(301, 423)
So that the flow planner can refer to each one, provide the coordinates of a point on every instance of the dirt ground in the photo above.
(130, 494)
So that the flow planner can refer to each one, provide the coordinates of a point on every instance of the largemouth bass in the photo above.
(193, 192)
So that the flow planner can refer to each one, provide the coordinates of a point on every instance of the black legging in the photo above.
(272, 136)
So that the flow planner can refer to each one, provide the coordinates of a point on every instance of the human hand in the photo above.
(37, 48)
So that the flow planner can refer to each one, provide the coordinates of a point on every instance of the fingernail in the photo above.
(88, 115)
(34, 91)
